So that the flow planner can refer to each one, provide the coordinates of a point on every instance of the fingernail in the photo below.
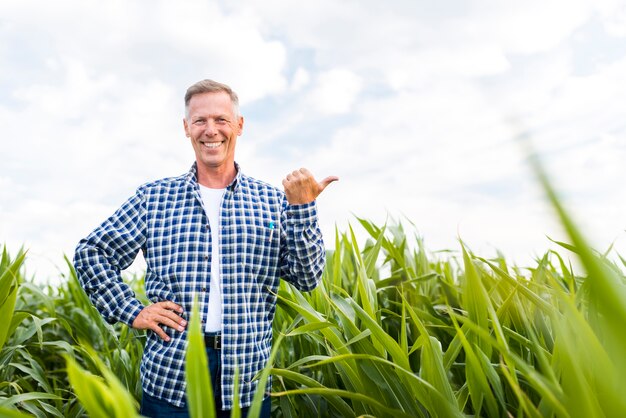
(180, 328)
(183, 322)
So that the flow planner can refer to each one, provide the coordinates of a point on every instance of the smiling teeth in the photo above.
(212, 144)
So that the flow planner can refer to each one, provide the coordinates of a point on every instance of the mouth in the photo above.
(212, 145)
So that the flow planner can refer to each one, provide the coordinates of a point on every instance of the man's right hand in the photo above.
(160, 313)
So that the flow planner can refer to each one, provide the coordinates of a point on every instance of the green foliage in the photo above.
(454, 337)
(103, 397)
(49, 324)
(199, 392)
(391, 331)
(8, 291)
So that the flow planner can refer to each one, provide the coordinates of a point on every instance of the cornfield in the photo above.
(391, 331)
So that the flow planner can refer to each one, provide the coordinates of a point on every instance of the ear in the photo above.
(240, 125)
(186, 127)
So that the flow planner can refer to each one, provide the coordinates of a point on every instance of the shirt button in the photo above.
(206, 258)
(204, 289)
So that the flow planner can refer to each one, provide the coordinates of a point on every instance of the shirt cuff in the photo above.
(129, 311)
(304, 213)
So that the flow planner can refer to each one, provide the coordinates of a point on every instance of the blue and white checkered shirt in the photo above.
(262, 239)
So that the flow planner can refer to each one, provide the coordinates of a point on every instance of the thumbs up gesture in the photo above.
(301, 187)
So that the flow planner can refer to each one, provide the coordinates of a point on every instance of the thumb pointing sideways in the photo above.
(324, 183)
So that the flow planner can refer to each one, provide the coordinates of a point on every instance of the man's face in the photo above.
(213, 130)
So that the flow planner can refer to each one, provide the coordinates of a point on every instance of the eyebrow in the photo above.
(216, 116)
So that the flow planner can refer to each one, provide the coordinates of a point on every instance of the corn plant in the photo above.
(104, 396)
(486, 341)
(50, 323)
(392, 330)
(9, 282)
(199, 390)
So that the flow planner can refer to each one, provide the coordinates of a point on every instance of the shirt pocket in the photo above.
(257, 238)
(260, 242)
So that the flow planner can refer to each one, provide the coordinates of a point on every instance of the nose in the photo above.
(211, 129)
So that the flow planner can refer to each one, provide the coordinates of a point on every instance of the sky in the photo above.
(418, 106)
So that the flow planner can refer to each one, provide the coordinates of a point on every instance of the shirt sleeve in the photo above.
(109, 249)
(302, 253)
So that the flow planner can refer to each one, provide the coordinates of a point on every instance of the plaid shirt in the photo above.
(262, 238)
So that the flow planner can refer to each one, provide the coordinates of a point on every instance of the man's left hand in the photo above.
(301, 187)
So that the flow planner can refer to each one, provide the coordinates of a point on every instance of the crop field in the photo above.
(391, 331)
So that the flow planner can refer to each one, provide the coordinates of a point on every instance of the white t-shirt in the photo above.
(212, 199)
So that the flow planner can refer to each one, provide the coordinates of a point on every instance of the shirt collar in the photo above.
(192, 177)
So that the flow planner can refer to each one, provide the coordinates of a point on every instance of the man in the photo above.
(215, 233)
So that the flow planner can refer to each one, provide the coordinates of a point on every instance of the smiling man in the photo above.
(213, 123)
(214, 233)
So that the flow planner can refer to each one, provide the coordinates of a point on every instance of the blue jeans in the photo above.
(157, 408)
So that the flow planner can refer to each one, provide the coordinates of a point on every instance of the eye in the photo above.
(199, 122)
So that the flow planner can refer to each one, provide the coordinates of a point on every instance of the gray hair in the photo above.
(210, 86)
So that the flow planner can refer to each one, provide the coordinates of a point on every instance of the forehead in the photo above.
(211, 104)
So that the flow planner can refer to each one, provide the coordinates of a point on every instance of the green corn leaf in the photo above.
(391, 346)
(6, 313)
(236, 411)
(12, 413)
(305, 329)
(101, 396)
(200, 400)
(26, 397)
(337, 402)
(255, 409)
(8, 291)
(385, 411)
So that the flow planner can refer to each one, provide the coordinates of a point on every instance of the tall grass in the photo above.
(466, 336)
(391, 331)
(51, 324)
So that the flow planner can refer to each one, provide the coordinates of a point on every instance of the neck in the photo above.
(216, 178)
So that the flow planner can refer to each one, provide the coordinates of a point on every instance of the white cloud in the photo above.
(529, 27)
(410, 103)
(135, 40)
(416, 70)
(301, 78)
(613, 14)
(336, 91)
